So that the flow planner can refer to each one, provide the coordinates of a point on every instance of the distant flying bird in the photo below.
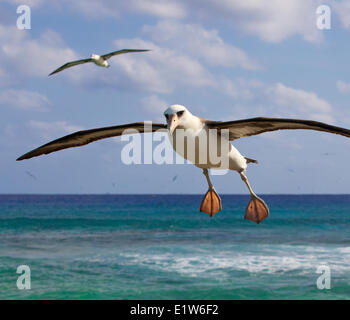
(178, 119)
(101, 61)
(31, 175)
(174, 178)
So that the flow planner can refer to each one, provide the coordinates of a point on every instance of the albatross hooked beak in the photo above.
(173, 122)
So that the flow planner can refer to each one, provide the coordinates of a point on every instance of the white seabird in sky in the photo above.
(180, 121)
(101, 61)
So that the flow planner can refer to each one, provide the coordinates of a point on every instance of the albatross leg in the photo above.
(211, 202)
(257, 210)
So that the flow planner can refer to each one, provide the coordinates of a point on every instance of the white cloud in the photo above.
(166, 67)
(159, 71)
(51, 130)
(24, 100)
(240, 88)
(30, 3)
(115, 9)
(155, 105)
(159, 8)
(111, 8)
(23, 56)
(297, 102)
(343, 87)
(272, 21)
(201, 43)
(179, 57)
(254, 98)
(94, 9)
(342, 8)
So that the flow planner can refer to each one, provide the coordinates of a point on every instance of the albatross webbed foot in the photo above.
(211, 203)
(257, 210)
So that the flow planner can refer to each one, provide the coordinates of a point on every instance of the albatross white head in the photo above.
(177, 116)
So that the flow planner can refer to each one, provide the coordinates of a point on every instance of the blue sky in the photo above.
(223, 60)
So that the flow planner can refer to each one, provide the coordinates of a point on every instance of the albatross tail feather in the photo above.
(250, 160)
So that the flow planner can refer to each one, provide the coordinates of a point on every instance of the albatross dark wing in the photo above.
(70, 64)
(114, 53)
(250, 127)
(81, 138)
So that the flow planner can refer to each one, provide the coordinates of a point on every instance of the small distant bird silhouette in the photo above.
(101, 61)
(31, 175)
(174, 178)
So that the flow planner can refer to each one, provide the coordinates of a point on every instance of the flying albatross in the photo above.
(179, 120)
(101, 61)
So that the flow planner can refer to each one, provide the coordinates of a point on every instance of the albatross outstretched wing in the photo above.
(81, 138)
(250, 127)
(70, 64)
(114, 53)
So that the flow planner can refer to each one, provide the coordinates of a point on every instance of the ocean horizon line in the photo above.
(170, 194)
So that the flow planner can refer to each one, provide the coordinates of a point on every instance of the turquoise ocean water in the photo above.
(162, 247)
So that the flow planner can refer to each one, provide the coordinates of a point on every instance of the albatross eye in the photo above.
(180, 113)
